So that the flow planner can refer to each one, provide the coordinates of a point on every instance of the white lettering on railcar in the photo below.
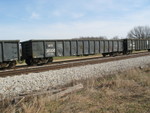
(50, 50)
(50, 45)
(130, 45)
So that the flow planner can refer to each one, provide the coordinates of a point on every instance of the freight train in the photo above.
(42, 51)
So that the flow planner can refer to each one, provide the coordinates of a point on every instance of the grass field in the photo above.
(127, 92)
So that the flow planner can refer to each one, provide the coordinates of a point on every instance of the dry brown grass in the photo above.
(128, 92)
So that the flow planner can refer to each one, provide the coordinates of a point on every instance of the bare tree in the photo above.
(139, 32)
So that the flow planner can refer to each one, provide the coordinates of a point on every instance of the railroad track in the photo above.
(67, 64)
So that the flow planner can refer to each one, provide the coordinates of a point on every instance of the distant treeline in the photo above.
(138, 32)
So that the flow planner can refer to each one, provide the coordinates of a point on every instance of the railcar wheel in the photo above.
(104, 55)
(111, 54)
(45, 61)
(32, 62)
(4, 65)
(12, 64)
(127, 53)
(28, 62)
(50, 59)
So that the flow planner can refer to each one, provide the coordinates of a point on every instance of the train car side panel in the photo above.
(50, 48)
(110, 46)
(148, 44)
(115, 46)
(1, 52)
(97, 47)
(67, 48)
(140, 44)
(38, 49)
(129, 45)
(80, 47)
(136, 45)
(60, 48)
(120, 46)
(26, 49)
(106, 46)
(133, 45)
(86, 47)
(145, 44)
(73, 48)
(91, 47)
(11, 51)
(102, 46)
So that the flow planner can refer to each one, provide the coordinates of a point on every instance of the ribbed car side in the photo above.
(9, 53)
(42, 51)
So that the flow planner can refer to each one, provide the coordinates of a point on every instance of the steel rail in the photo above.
(67, 64)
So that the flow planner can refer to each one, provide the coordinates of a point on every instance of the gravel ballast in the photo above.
(38, 81)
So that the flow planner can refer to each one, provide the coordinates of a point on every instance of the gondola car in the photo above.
(131, 45)
(9, 53)
(42, 51)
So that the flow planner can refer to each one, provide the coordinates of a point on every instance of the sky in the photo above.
(66, 19)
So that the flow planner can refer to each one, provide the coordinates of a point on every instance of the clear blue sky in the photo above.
(62, 19)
